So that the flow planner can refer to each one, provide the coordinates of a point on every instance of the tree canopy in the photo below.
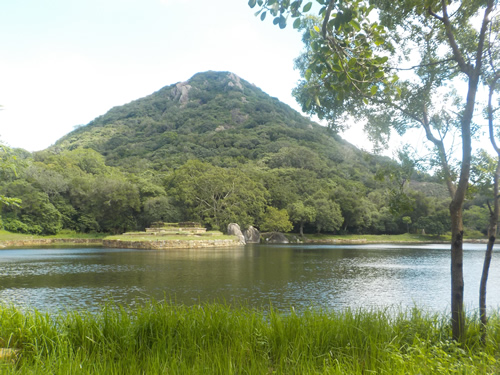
(7, 170)
(260, 154)
(394, 65)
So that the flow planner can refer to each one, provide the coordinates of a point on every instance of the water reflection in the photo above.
(282, 276)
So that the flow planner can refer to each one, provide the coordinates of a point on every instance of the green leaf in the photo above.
(282, 22)
(316, 99)
(398, 90)
(296, 23)
(270, 2)
(355, 24)
(276, 20)
(337, 68)
(379, 74)
(373, 90)
(307, 75)
(379, 41)
(251, 3)
(352, 62)
(307, 7)
(263, 16)
(365, 101)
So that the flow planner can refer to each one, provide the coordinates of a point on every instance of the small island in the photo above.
(161, 236)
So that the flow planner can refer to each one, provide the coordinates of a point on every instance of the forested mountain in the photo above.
(215, 149)
(214, 117)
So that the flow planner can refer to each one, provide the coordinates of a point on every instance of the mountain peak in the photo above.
(203, 81)
(213, 116)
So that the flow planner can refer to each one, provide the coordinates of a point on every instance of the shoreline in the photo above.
(168, 244)
(195, 243)
(140, 245)
(48, 242)
(368, 242)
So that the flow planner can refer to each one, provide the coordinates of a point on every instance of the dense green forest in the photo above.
(216, 149)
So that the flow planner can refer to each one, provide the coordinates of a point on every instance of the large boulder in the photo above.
(277, 237)
(233, 229)
(181, 93)
(252, 235)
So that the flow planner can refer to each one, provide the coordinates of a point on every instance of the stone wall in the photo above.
(169, 244)
(156, 245)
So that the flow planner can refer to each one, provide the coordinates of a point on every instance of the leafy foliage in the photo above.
(276, 220)
(348, 70)
(220, 151)
(7, 170)
(218, 196)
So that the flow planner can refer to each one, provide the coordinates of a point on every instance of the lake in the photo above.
(284, 276)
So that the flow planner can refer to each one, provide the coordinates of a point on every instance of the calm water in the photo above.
(284, 276)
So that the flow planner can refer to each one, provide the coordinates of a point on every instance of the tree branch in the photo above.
(328, 12)
(464, 66)
(482, 35)
(490, 113)
(424, 65)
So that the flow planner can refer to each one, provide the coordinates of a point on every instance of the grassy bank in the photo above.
(172, 237)
(9, 236)
(216, 339)
(378, 238)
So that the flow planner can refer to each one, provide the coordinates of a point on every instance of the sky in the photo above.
(65, 62)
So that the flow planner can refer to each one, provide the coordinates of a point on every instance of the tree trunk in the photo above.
(456, 207)
(457, 277)
(301, 229)
(492, 231)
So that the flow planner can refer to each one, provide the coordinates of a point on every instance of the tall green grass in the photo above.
(163, 338)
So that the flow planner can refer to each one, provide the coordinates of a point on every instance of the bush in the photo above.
(17, 226)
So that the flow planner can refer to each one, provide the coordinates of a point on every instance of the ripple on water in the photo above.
(326, 276)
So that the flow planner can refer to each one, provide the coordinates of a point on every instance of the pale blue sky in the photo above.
(65, 62)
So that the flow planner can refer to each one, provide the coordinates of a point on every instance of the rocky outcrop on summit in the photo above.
(235, 81)
(180, 92)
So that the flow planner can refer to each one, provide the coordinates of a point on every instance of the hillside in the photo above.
(215, 117)
(214, 149)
